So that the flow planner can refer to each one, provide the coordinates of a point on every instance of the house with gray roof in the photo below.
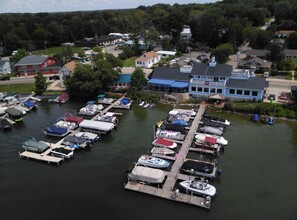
(257, 53)
(32, 64)
(256, 64)
(4, 67)
(290, 54)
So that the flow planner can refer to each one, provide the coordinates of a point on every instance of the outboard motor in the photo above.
(219, 172)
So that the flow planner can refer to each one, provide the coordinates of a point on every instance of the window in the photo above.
(199, 89)
(139, 62)
(206, 89)
(212, 90)
(198, 77)
(239, 92)
(222, 78)
(232, 91)
(254, 93)
(120, 84)
(220, 91)
(194, 89)
(247, 92)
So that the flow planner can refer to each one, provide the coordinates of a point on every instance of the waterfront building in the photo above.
(147, 60)
(166, 54)
(256, 64)
(66, 71)
(4, 67)
(123, 82)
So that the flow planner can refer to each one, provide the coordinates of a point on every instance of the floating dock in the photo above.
(167, 191)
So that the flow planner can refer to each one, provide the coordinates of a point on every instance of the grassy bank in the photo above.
(54, 50)
(130, 62)
(18, 88)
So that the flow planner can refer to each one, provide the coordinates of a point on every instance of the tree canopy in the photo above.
(138, 80)
(40, 83)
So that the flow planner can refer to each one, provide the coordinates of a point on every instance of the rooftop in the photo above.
(31, 60)
(250, 83)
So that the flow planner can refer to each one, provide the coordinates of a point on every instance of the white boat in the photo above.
(146, 105)
(88, 135)
(151, 161)
(216, 119)
(198, 187)
(220, 139)
(91, 108)
(96, 126)
(187, 112)
(174, 135)
(75, 142)
(141, 104)
(146, 175)
(161, 142)
(66, 124)
(161, 151)
(108, 117)
(211, 130)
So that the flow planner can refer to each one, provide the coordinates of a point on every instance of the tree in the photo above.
(222, 52)
(260, 39)
(105, 72)
(114, 61)
(138, 79)
(40, 84)
(288, 64)
(166, 43)
(292, 41)
(19, 55)
(275, 54)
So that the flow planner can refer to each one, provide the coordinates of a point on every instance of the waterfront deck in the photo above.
(167, 191)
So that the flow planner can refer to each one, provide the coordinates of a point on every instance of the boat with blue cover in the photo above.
(255, 117)
(179, 122)
(30, 104)
(55, 131)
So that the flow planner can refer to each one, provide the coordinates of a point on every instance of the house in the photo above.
(288, 54)
(147, 60)
(4, 67)
(186, 33)
(213, 78)
(169, 79)
(257, 53)
(66, 71)
(32, 64)
(256, 64)
(166, 54)
(122, 83)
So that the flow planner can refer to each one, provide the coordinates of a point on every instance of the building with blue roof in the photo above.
(122, 83)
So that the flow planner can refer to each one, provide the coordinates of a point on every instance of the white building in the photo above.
(66, 71)
(147, 60)
(166, 54)
(5, 67)
(186, 33)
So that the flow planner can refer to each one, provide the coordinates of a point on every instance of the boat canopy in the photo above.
(34, 145)
(96, 125)
(14, 112)
(210, 140)
(29, 103)
(125, 101)
(56, 130)
(74, 119)
(172, 127)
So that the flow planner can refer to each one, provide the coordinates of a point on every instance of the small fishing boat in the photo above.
(211, 130)
(74, 141)
(161, 142)
(55, 131)
(162, 151)
(35, 146)
(198, 187)
(219, 139)
(151, 161)
(216, 119)
(146, 175)
(62, 152)
(88, 135)
(4, 124)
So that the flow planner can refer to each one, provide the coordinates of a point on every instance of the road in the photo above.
(276, 86)
(20, 80)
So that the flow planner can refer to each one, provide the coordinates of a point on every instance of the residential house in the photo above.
(66, 71)
(288, 54)
(186, 33)
(166, 54)
(147, 60)
(4, 67)
(213, 78)
(257, 53)
(122, 83)
(256, 64)
(169, 79)
(32, 64)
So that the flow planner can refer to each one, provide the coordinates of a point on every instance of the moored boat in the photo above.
(55, 131)
(91, 108)
(211, 130)
(88, 135)
(5, 124)
(35, 146)
(62, 152)
(15, 114)
(146, 175)
(30, 104)
(187, 112)
(125, 103)
(161, 142)
(174, 135)
(97, 126)
(151, 161)
(73, 141)
(66, 124)
(216, 119)
(162, 151)
(198, 187)
(201, 168)
(108, 117)
(219, 139)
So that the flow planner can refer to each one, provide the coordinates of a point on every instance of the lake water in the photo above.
(258, 182)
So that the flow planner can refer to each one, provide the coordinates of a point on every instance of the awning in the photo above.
(180, 85)
(161, 82)
(217, 96)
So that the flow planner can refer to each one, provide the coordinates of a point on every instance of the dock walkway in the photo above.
(167, 191)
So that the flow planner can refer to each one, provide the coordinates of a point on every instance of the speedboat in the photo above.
(161, 142)
(88, 135)
(174, 135)
(4, 124)
(146, 175)
(211, 130)
(151, 161)
(179, 122)
(66, 124)
(214, 124)
(219, 139)
(198, 187)
(15, 114)
(108, 117)
(56, 131)
(62, 152)
(216, 119)
(162, 151)
(201, 168)
(35, 146)
(74, 141)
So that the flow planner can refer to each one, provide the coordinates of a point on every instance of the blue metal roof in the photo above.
(180, 84)
(161, 82)
(124, 78)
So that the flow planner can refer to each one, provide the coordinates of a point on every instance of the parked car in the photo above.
(271, 97)
(3, 78)
(265, 74)
(283, 96)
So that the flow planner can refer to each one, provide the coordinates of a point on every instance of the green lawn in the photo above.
(18, 88)
(54, 50)
(129, 62)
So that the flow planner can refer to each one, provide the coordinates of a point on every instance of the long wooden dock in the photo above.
(167, 191)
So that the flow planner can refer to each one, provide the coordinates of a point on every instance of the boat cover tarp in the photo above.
(64, 97)
(91, 102)
(161, 141)
(197, 166)
(210, 140)
(14, 112)
(4, 123)
(125, 101)
(179, 122)
(74, 119)
(35, 145)
(29, 103)
(172, 127)
(96, 125)
(56, 130)
(75, 140)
